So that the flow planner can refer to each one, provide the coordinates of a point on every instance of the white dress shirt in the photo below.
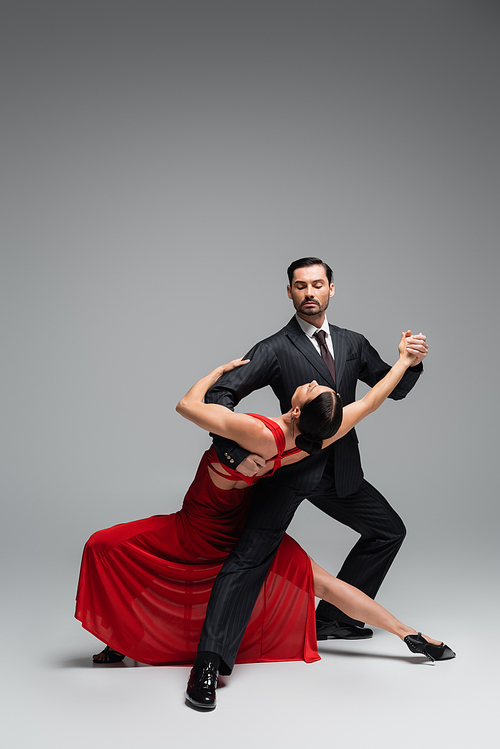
(310, 330)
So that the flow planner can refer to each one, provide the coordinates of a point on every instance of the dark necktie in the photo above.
(320, 336)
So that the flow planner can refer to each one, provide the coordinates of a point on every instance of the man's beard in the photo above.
(312, 311)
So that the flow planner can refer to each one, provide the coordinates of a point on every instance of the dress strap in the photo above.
(276, 431)
(291, 452)
(280, 441)
(279, 437)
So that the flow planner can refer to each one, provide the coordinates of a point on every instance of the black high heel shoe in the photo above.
(419, 644)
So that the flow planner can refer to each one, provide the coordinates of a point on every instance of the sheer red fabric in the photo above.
(144, 586)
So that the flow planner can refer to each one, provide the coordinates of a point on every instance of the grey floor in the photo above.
(371, 694)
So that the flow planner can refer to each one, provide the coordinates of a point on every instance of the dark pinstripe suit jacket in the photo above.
(286, 360)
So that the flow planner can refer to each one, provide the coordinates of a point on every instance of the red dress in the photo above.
(144, 586)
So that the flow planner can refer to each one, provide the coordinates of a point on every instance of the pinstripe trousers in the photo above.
(381, 534)
(238, 583)
(237, 586)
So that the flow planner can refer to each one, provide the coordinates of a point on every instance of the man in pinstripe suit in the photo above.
(332, 480)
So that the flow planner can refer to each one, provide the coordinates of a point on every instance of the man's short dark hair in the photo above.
(305, 262)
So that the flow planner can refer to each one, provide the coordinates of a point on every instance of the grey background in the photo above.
(161, 165)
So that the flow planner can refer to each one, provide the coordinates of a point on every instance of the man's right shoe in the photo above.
(341, 631)
(200, 692)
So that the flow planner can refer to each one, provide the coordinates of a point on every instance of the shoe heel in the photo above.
(416, 644)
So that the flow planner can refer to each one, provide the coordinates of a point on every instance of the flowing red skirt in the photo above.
(144, 586)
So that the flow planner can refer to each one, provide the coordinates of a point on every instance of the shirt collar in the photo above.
(309, 329)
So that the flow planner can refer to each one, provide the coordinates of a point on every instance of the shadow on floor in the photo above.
(414, 660)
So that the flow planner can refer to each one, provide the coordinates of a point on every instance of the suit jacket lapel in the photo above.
(340, 351)
(299, 339)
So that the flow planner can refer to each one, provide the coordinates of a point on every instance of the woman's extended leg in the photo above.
(358, 605)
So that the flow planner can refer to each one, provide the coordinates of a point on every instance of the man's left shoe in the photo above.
(341, 631)
(108, 655)
(419, 644)
(200, 691)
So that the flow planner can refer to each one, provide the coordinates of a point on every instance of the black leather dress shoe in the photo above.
(341, 631)
(200, 692)
(418, 644)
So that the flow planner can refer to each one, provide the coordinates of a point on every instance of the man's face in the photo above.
(310, 293)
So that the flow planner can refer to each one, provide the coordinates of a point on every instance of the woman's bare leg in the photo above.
(358, 605)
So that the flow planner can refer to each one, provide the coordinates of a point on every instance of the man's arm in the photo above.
(263, 369)
(373, 368)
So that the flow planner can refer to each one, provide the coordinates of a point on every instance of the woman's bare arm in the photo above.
(254, 436)
(355, 412)
(245, 430)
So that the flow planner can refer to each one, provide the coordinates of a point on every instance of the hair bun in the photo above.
(308, 445)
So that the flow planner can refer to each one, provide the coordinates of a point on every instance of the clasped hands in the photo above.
(416, 345)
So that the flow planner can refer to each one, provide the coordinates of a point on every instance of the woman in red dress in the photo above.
(144, 586)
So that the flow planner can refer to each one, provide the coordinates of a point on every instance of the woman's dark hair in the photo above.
(305, 262)
(320, 418)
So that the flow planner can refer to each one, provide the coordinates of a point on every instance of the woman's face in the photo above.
(307, 392)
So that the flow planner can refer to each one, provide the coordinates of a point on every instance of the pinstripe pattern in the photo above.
(284, 361)
(381, 534)
(238, 583)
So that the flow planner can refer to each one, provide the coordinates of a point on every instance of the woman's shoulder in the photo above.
(274, 428)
